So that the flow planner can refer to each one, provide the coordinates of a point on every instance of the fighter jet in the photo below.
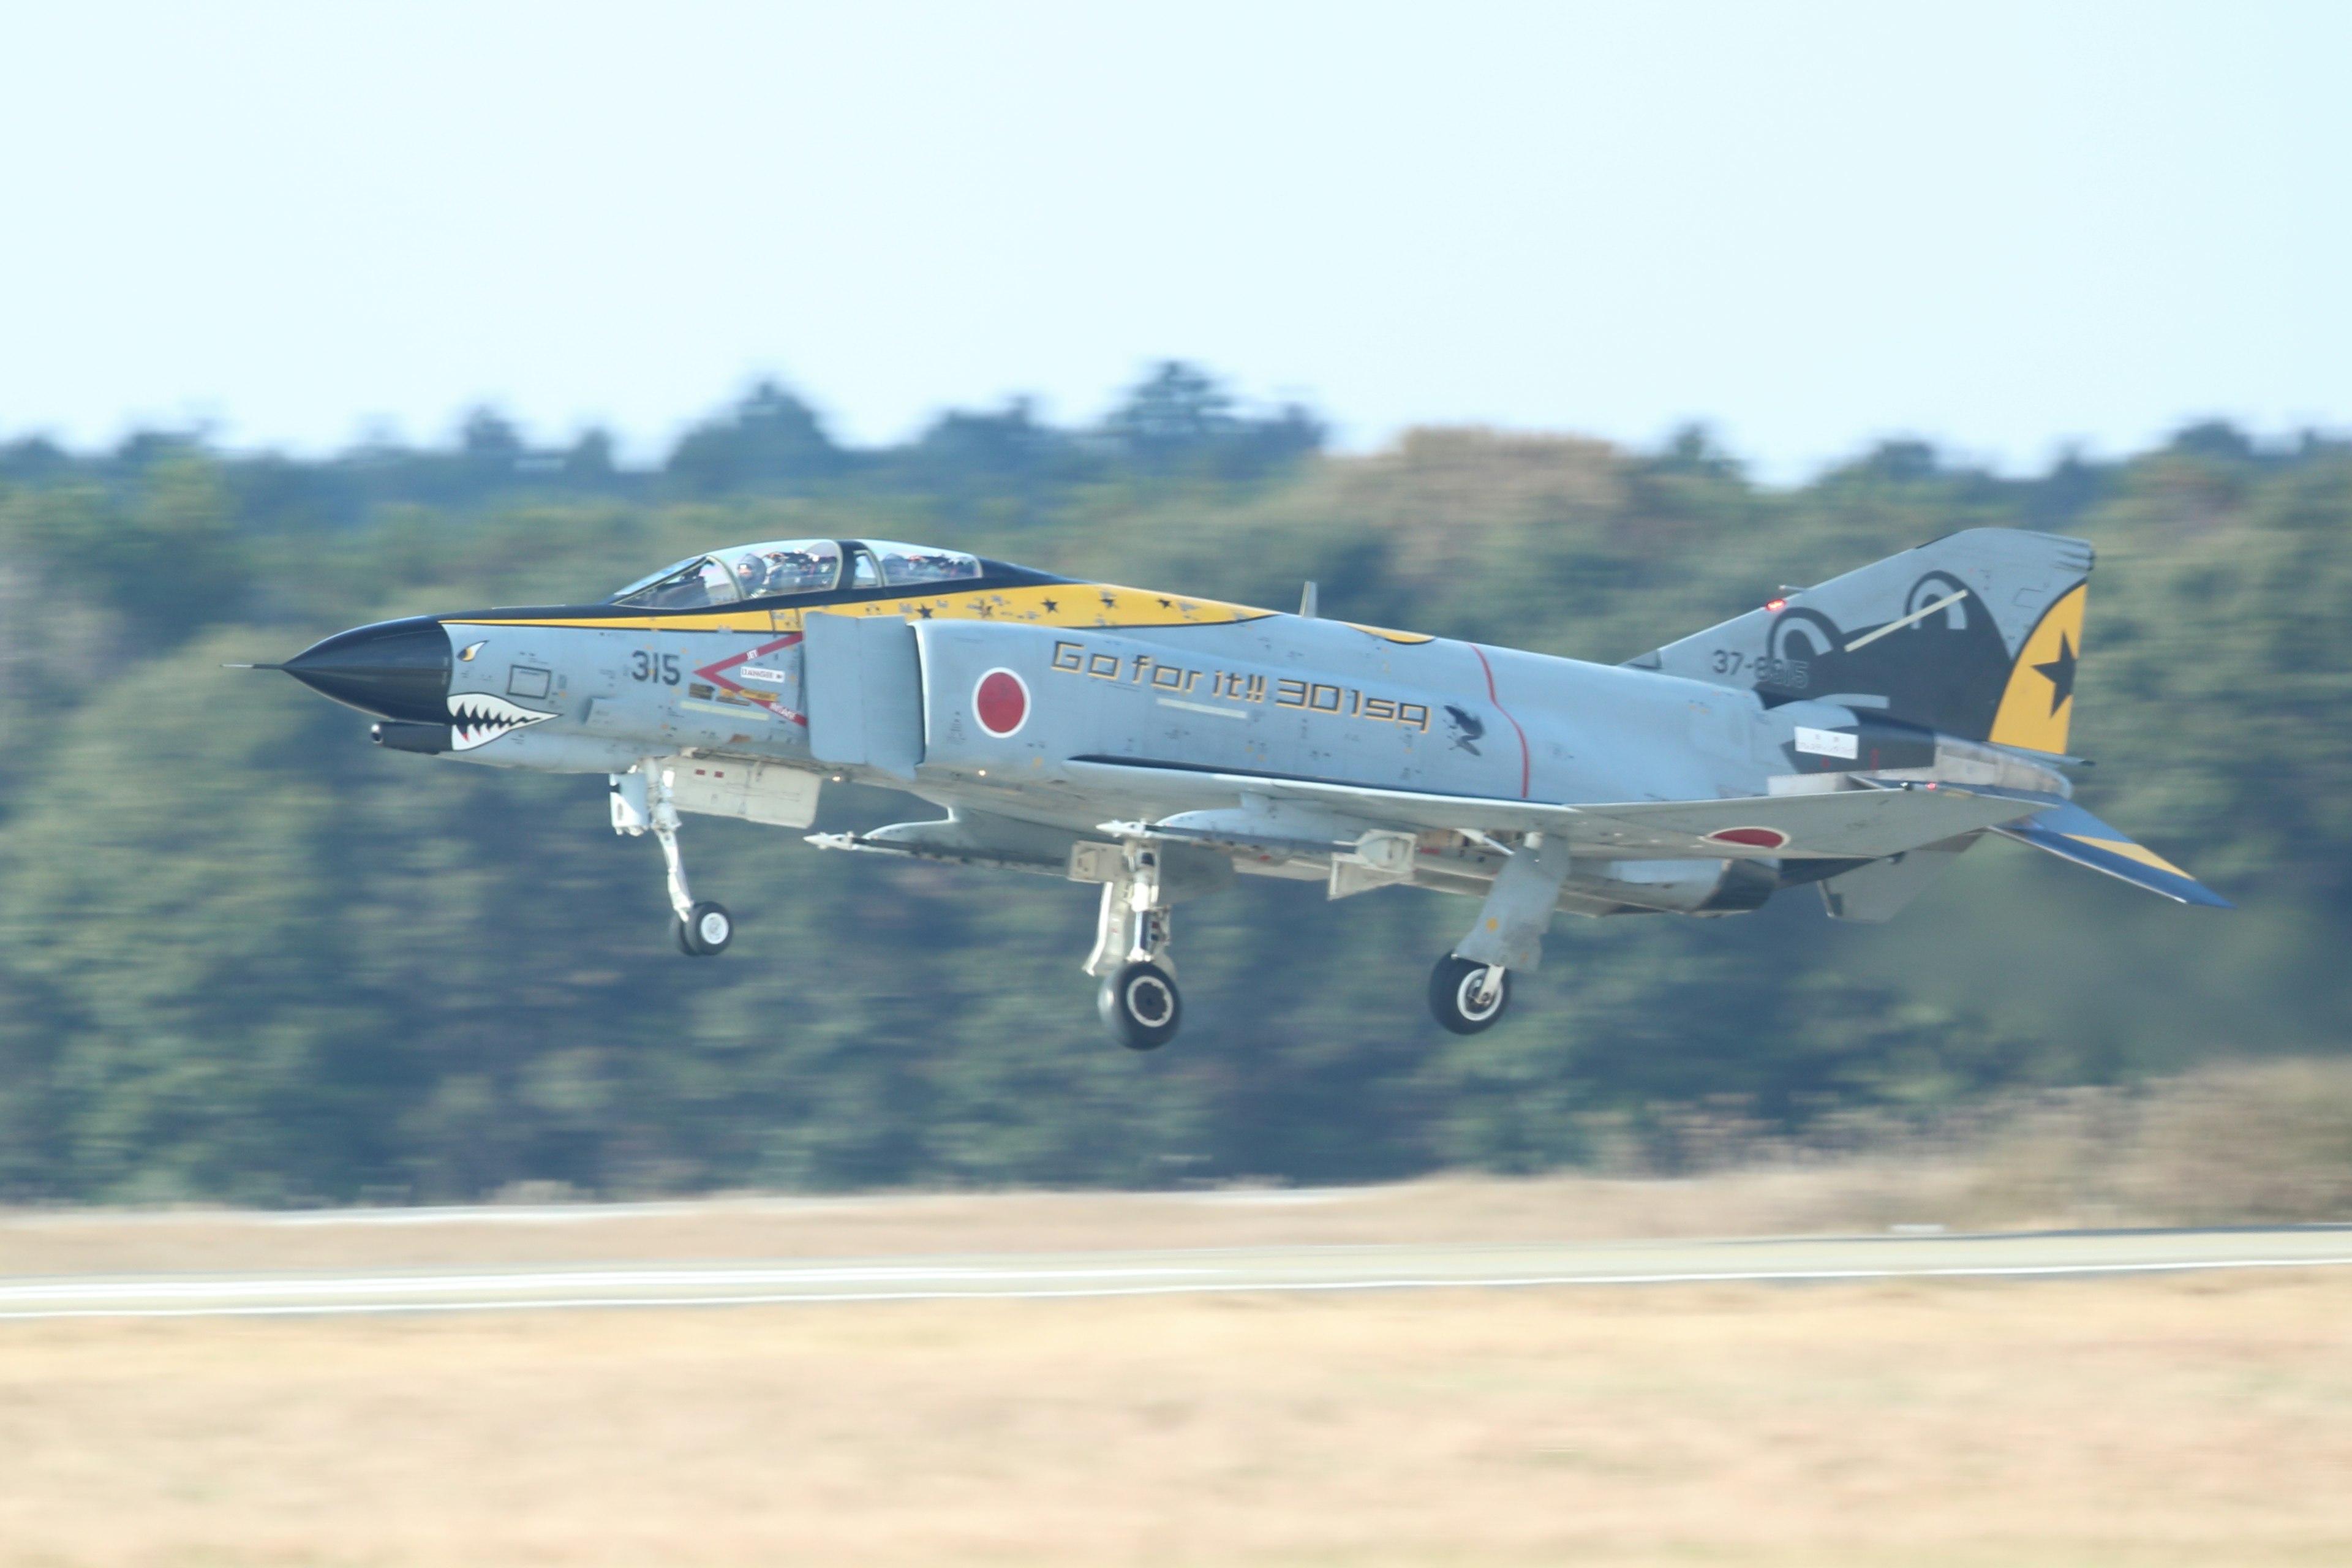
(1859, 735)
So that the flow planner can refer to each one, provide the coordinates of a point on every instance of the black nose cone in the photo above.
(397, 668)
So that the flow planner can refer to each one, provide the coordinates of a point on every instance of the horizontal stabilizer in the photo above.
(2073, 834)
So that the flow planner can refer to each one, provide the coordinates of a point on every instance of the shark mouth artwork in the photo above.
(477, 718)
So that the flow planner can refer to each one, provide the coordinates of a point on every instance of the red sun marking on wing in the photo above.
(1752, 837)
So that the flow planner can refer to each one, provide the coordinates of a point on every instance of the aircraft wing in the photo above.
(1861, 824)
(1866, 824)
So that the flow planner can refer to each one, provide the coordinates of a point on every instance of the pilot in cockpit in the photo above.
(797, 571)
(752, 576)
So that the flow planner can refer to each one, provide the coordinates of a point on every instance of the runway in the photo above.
(1194, 1271)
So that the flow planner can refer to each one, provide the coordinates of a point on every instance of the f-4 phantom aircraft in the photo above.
(1859, 735)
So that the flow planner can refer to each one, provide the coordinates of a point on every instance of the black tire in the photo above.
(1140, 1006)
(1453, 986)
(705, 930)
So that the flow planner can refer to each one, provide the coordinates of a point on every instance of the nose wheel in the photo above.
(1465, 995)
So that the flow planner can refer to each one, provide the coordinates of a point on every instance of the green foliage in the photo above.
(244, 954)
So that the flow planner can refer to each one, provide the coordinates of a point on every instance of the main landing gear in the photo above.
(1465, 995)
(1138, 1000)
(641, 802)
(1471, 986)
(1140, 1006)
(705, 930)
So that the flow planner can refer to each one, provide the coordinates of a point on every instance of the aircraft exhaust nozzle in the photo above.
(394, 669)
(431, 740)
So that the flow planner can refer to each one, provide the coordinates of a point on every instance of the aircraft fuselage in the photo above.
(1157, 744)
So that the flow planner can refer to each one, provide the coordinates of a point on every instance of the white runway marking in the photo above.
(1067, 1277)
(463, 1284)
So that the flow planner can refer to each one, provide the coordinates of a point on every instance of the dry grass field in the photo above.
(2251, 1144)
(2187, 1420)
(1842, 1198)
(2190, 1419)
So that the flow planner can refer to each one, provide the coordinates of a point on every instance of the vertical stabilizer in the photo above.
(1975, 634)
(2038, 703)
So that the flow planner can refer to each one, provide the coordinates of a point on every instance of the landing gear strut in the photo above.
(1138, 1001)
(642, 800)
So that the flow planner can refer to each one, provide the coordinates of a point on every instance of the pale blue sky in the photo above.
(2002, 227)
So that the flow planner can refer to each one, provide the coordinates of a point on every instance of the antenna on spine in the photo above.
(1307, 602)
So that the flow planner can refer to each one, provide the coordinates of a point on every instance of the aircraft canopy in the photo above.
(785, 566)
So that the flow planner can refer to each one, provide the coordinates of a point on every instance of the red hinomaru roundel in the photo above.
(1001, 702)
(1754, 838)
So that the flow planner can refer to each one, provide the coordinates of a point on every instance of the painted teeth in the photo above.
(477, 718)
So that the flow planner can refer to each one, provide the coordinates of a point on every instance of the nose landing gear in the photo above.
(641, 802)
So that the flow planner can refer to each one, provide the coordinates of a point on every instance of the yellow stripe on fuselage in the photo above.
(698, 621)
(1051, 604)
(1097, 604)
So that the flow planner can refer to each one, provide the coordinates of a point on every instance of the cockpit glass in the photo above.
(690, 585)
(905, 564)
(785, 566)
(746, 572)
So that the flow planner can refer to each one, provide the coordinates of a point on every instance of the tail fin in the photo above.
(1975, 634)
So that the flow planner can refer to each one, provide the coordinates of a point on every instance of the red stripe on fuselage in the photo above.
(1522, 734)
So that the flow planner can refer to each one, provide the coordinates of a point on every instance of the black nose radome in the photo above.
(397, 668)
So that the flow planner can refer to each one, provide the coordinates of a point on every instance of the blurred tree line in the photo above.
(245, 955)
